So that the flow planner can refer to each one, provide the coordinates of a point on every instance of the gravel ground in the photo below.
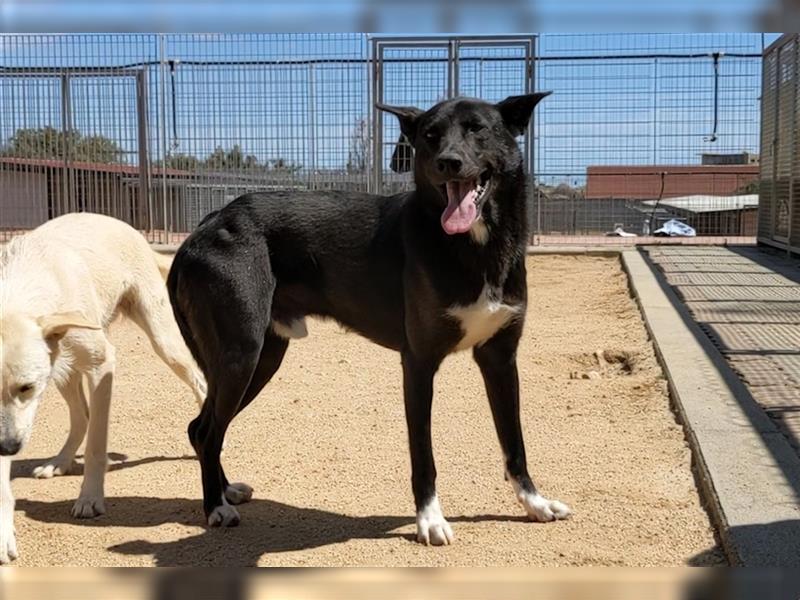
(325, 449)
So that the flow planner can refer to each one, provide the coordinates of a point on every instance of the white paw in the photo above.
(541, 509)
(432, 528)
(238, 493)
(87, 507)
(53, 468)
(224, 516)
(8, 544)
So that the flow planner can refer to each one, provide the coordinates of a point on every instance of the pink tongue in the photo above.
(461, 211)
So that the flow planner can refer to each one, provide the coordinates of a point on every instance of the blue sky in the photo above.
(613, 102)
(426, 16)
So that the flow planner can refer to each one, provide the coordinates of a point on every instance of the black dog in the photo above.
(426, 273)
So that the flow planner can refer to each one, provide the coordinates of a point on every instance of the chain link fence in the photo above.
(160, 129)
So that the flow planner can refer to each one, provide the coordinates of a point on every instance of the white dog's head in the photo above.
(28, 349)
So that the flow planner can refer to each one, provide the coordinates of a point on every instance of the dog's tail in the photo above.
(164, 263)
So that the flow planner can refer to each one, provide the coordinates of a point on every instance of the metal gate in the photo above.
(423, 71)
(77, 141)
(779, 213)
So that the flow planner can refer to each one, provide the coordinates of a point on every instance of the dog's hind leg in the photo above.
(498, 364)
(227, 384)
(222, 300)
(272, 353)
(62, 464)
(151, 311)
(232, 341)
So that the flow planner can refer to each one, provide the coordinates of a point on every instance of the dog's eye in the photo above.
(474, 127)
(431, 136)
(24, 388)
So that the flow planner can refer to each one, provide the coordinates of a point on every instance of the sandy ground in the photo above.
(325, 448)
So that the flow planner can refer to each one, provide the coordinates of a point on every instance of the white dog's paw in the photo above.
(543, 510)
(238, 493)
(8, 545)
(432, 528)
(224, 516)
(87, 507)
(53, 468)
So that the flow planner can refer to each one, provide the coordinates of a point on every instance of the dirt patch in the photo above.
(325, 448)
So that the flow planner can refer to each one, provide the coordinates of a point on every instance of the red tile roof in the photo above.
(643, 182)
(89, 166)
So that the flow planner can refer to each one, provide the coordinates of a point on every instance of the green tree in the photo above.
(232, 159)
(48, 142)
(184, 162)
(281, 164)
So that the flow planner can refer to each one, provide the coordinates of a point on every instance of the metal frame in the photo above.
(289, 101)
(793, 201)
(453, 44)
(65, 76)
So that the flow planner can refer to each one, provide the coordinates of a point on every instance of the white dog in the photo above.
(61, 286)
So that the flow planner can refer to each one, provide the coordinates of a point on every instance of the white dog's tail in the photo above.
(164, 262)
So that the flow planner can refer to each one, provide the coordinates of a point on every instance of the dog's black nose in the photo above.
(448, 164)
(9, 447)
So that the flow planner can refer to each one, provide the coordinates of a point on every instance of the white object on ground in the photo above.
(621, 233)
(675, 228)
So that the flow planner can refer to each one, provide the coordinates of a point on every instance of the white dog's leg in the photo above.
(153, 314)
(91, 501)
(72, 391)
(8, 541)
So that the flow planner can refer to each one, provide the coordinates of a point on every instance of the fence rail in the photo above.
(159, 129)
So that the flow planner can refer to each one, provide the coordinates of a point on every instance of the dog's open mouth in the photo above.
(464, 201)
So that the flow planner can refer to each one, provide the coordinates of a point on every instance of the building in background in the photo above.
(728, 158)
(630, 182)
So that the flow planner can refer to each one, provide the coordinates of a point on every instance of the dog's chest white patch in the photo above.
(483, 318)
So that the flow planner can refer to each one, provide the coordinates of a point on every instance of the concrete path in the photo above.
(746, 465)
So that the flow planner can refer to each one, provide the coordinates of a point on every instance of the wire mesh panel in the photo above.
(769, 97)
(73, 132)
(408, 73)
(493, 71)
(779, 221)
(254, 112)
(487, 68)
(787, 59)
(31, 137)
(104, 117)
(161, 129)
(627, 108)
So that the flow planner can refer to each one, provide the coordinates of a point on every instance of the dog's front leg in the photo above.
(497, 359)
(432, 528)
(62, 464)
(8, 540)
(91, 501)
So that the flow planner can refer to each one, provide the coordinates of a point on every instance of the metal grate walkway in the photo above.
(748, 303)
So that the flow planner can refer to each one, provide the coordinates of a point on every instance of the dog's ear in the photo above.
(56, 325)
(408, 117)
(517, 110)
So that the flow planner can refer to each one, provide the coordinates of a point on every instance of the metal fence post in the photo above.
(144, 154)
(163, 127)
